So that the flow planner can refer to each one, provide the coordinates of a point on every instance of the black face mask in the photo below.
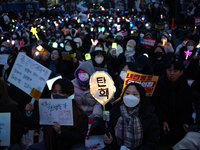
(56, 96)
(158, 54)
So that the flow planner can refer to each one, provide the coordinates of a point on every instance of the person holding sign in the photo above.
(173, 104)
(82, 94)
(133, 125)
(17, 122)
(59, 137)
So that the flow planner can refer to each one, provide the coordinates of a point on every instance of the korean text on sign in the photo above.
(147, 81)
(59, 110)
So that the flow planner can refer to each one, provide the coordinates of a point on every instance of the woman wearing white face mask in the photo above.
(99, 60)
(82, 94)
(191, 46)
(133, 125)
(119, 82)
(130, 54)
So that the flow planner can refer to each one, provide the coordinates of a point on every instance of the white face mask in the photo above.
(2, 49)
(123, 75)
(148, 28)
(128, 48)
(83, 76)
(68, 48)
(14, 36)
(190, 48)
(131, 101)
(106, 34)
(98, 60)
(141, 35)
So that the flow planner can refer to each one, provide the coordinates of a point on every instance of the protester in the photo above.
(173, 105)
(64, 137)
(7, 105)
(133, 124)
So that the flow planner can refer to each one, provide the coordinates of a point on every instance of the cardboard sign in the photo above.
(102, 87)
(148, 42)
(29, 76)
(59, 110)
(147, 81)
(197, 21)
(3, 59)
(5, 129)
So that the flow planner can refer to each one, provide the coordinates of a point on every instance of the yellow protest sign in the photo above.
(147, 81)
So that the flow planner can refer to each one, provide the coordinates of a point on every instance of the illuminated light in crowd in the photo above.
(132, 10)
(54, 7)
(13, 20)
(88, 15)
(78, 21)
(39, 48)
(41, 27)
(145, 54)
(123, 18)
(195, 27)
(143, 18)
(17, 28)
(56, 24)
(12, 30)
(37, 53)
(106, 16)
(146, 25)
(161, 16)
(48, 20)
(187, 54)
(93, 4)
(8, 41)
(55, 45)
(13, 42)
(87, 56)
(2, 37)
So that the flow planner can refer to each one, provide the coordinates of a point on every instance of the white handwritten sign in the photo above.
(59, 110)
(29, 76)
(5, 129)
(3, 59)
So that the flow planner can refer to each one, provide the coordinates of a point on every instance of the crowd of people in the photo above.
(76, 45)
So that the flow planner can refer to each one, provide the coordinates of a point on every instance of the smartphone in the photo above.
(114, 45)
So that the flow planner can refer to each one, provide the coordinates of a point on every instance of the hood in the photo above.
(87, 66)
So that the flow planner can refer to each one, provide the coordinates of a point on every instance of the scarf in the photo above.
(83, 83)
(128, 130)
(129, 56)
(53, 69)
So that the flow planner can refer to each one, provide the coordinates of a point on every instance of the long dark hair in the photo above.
(4, 97)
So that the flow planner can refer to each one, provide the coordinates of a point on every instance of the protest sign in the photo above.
(3, 59)
(102, 87)
(197, 20)
(5, 129)
(148, 42)
(147, 81)
(29, 76)
(59, 110)
(90, 121)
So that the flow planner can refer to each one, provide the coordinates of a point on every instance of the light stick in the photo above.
(187, 54)
(34, 31)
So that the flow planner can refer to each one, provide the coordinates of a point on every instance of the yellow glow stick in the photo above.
(34, 31)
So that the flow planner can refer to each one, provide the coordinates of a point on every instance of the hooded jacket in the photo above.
(82, 94)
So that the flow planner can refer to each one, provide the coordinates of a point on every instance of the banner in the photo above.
(147, 81)
(5, 129)
(29, 76)
(59, 110)
(148, 42)
(197, 20)
(3, 59)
